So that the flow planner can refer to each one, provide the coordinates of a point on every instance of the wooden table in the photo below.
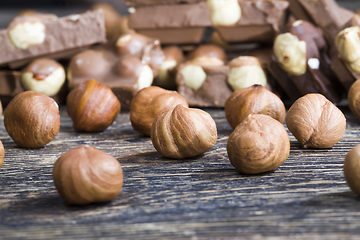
(200, 198)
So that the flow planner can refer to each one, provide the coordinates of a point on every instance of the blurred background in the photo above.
(64, 7)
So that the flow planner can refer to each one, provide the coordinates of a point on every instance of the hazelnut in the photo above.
(290, 52)
(193, 72)
(347, 43)
(111, 17)
(32, 119)
(2, 154)
(166, 76)
(86, 65)
(150, 102)
(315, 121)
(354, 98)
(26, 31)
(245, 71)
(92, 106)
(225, 12)
(183, 132)
(352, 169)
(43, 75)
(208, 50)
(253, 100)
(86, 175)
(258, 144)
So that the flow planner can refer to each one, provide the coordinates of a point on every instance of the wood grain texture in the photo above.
(200, 198)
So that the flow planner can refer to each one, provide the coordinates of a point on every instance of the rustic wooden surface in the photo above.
(200, 198)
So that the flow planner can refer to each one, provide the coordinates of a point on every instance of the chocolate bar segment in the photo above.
(137, 3)
(214, 90)
(259, 22)
(62, 34)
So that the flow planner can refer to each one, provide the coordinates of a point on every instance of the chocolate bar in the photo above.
(10, 86)
(326, 14)
(203, 82)
(39, 35)
(259, 21)
(172, 24)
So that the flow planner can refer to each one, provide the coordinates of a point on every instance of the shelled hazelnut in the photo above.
(43, 75)
(347, 43)
(245, 71)
(290, 52)
(148, 103)
(224, 13)
(87, 175)
(193, 73)
(258, 144)
(315, 121)
(32, 119)
(255, 99)
(183, 132)
(92, 106)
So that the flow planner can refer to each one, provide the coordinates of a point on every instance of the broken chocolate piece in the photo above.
(260, 21)
(326, 14)
(203, 82)
(53, 35)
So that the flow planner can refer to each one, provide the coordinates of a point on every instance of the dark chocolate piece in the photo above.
(326, 14)
(66, 33)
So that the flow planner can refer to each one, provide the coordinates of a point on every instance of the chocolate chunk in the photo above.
(212, 93)
(52, 35)
(316, 76)
(326, 14)
(126, 66)
(259, 22)
(346, 77)
(10, 86)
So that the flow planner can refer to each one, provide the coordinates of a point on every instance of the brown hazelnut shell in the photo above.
(251, 100)
(2, 154)
(315, 121)
(183, 132)
(258, 144)
(86, 175)
(354, 98)
(32, 119)
(352, 169)
(148, 103)
(92, 106)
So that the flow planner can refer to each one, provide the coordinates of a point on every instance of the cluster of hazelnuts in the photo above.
(259, 142)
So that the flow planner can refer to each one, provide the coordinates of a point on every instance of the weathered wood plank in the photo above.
(198, 198)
